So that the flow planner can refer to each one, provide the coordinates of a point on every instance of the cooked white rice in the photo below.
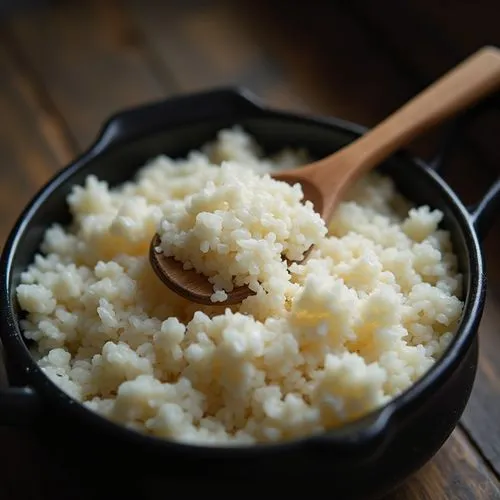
(318, 345)
(240, 229)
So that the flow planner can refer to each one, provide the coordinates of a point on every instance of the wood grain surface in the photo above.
(66, 66)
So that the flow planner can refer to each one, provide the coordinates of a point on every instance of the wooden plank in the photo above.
(482, 415)
(27, 160)
(202, 49)
(92, 67)
(455, 473)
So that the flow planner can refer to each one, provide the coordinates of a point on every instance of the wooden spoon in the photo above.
(325, 181)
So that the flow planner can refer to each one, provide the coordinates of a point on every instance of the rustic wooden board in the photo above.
(27, 158)
(61, 84)
(88, 77)
(482, 415)
(455, 473)
(201, 49)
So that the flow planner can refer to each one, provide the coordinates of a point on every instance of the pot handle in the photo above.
(484, 213)
(225, 103)
(18, 406)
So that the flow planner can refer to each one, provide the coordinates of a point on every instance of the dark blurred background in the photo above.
(65, 66)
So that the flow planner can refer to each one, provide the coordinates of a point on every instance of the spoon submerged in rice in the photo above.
(325, 181)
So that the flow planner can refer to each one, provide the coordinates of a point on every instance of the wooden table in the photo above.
(65, 66)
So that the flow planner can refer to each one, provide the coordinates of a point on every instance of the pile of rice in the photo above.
(240, 229)
(318, 345)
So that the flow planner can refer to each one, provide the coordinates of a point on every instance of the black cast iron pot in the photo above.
(364, 459)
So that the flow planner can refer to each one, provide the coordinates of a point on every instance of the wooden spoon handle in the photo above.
(473, 79)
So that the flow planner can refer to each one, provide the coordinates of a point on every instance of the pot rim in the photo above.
(373, 427)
